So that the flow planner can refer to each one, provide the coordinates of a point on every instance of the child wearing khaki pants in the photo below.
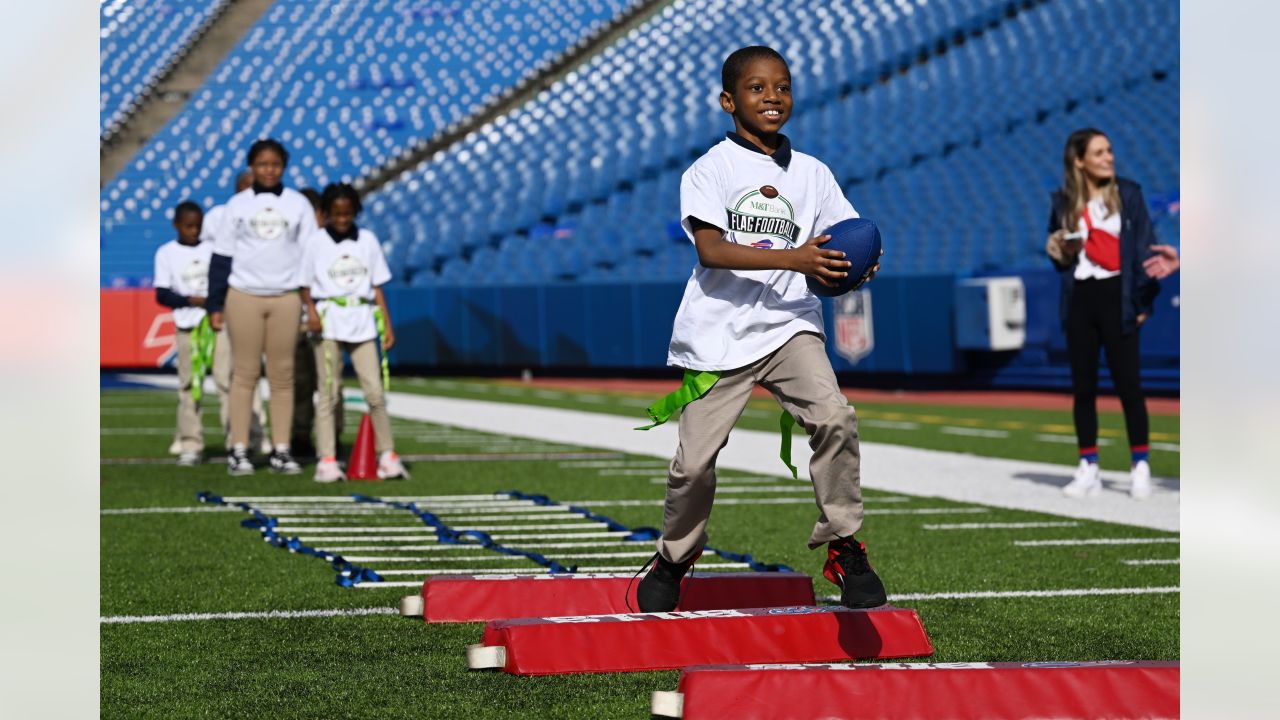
(342, 271)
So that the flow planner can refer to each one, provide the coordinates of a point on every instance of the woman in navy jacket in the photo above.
(1099, 236)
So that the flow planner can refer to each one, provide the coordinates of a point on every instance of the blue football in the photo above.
(859, 240)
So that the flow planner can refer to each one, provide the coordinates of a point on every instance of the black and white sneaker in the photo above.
(238, 462)
(847, 566)
(659, 591)
(282, 462)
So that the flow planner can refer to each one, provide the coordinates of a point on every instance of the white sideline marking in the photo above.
(158, 510)
(1170, 447)
(1095, 541)
(1168, 561)
(974, 432)
(999, 526)
(1069, 592)
(269, 615)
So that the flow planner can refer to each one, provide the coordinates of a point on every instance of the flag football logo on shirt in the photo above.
(347, 271)
(855, 334)
(764, 218)
(268, 224)
(195, 277)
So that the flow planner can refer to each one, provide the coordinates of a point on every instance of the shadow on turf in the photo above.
(1060, 480)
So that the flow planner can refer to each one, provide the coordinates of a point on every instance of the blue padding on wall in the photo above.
(628, 325)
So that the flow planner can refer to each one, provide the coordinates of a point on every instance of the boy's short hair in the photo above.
(334, 191)
(269, 144)
(737, 61)
(184, 207)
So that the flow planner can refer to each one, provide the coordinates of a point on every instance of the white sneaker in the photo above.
(328, 471)
(1140, 481)
(238, 462)
(189, 458)
(1086, 483)
(176, 447)
(390, 467)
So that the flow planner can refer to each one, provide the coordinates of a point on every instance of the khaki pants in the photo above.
(190, 425)
(222, 379)
(259, 325)
(800, 376)
(364, 358)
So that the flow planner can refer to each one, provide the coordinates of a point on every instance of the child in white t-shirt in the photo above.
(752, 206)
(181, 280)
(342, 272)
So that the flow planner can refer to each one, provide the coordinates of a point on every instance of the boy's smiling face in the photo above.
(761, 100)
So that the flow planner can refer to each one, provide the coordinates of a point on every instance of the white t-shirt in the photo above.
(1085, 268)
(730, 318)
(184, 269)
(350, 269)
(212, 221)
(263, 234)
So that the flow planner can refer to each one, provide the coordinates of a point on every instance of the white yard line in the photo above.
(655, 464)
(889, 424)
(371, 559)
(974, 432)
(1000, 526)
(1095, 541)
(1069, 592)
(169, 510)
(269, 615)
(428, 548)
(522, 571)
(1169, 561)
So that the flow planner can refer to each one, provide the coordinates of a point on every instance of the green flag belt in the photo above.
(379, 322)
(696, 384)
(203, 339)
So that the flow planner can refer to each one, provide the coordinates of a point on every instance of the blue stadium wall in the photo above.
(626, 326)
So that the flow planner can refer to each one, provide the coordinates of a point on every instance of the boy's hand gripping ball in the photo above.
(859, 240)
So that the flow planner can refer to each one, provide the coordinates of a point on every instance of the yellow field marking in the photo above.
(1011, 425)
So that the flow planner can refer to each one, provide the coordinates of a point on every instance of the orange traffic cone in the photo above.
(363, 463)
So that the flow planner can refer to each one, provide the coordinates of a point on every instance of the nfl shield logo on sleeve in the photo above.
(855, 335)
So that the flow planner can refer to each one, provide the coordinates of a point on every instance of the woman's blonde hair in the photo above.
(1075, 191)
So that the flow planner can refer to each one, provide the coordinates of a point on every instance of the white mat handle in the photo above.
(483, 657)
(667, 704)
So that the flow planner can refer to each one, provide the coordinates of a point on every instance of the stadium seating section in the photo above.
(138, 41)
(347, 85)
(944, 121)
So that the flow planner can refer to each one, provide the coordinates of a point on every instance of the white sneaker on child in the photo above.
(1140, 481)
(189, 458)
(390, 467)
(1086, 482)
(328, 471)
(176, 447)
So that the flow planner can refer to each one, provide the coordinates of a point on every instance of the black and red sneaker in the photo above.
(659, 591)
(847, 566)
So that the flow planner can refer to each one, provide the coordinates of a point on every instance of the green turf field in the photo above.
(174, 563)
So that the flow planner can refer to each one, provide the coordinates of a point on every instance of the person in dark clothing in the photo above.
(1099, 236)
